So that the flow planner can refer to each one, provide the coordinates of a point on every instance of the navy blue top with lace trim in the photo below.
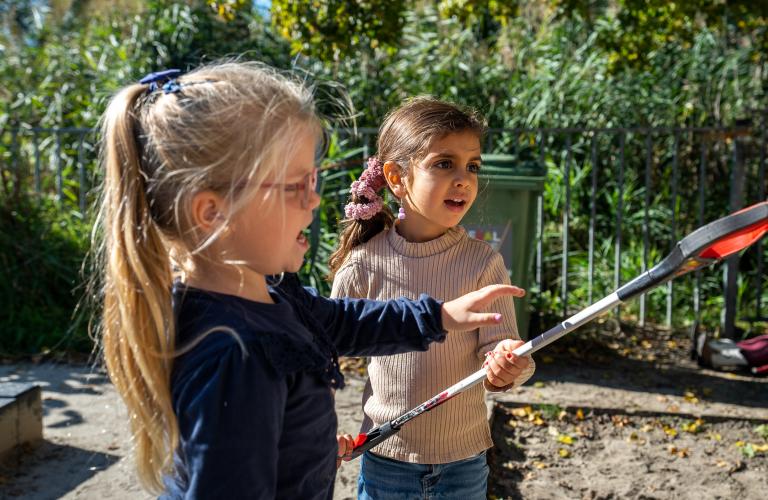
(253, 397)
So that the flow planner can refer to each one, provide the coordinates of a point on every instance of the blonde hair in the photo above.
(228, 128)
(404, 138)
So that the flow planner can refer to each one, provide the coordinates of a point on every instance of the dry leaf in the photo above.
(521, 412)
(565, 439)
(670, 431)
(694, 427)
(564, 453)
(691, 397)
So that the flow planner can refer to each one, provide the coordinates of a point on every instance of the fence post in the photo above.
(731, 271)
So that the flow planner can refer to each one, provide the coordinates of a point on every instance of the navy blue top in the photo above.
(253, 398)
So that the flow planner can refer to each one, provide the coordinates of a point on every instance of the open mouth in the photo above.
(302, 238)
(455, 203)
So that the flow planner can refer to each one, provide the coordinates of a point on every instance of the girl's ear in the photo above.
(393, 176)
(207, 210)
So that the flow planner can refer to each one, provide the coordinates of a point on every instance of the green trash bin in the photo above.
(505, 216)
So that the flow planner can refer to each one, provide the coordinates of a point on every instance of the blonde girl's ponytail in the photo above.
(160, 146)
(137, 327)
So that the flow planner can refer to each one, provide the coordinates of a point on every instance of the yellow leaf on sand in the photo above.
(540, 465)
(522, 412)
(760, 448)
(670, 431)
(579, 414)
(691, 397)
(565, 439)
(564, 453)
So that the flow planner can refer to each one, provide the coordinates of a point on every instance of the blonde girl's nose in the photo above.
(314, 200)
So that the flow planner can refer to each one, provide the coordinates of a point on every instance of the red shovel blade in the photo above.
(735, 242)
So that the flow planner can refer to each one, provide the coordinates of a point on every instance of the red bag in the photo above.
(755, 351)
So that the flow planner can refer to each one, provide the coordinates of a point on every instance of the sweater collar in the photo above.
(426, 248)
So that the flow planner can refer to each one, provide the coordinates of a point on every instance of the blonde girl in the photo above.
(429, 158)
(208, 186)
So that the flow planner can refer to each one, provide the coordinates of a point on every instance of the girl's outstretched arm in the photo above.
(361, 327)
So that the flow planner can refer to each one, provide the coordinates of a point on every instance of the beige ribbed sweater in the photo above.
(388, 267)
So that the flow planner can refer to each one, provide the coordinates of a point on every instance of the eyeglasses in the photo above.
(307, 185)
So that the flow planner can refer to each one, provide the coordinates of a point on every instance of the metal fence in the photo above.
(608, 191)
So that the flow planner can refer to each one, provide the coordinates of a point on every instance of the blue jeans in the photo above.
(386, 479)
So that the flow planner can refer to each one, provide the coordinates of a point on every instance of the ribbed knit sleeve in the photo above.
(348, 280)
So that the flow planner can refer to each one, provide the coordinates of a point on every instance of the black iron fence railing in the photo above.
(615, 200)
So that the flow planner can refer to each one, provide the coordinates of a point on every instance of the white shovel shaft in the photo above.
(543, 340)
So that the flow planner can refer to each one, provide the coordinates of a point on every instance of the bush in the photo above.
(42, 246)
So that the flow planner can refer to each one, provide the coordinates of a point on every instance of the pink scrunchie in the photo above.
(368, 186)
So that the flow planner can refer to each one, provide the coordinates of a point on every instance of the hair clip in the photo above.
(168, 75)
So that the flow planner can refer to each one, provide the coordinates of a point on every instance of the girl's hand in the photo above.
(462, 314)
(346, 444)
(502, 367)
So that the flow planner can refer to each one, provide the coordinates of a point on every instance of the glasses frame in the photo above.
(307, 184)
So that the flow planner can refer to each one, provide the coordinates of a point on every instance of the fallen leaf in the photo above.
(552, 431)
(680, 452)
(670, 431)
(762, 431)
(565, 439)
(579, 414)
(539, 384)
(694, 427)
(540, 465)
(522, 412)
(564, 453)
(691, 397)
(620, 420)
(671, 344)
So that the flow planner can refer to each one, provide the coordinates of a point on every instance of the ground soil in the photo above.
(610, 413)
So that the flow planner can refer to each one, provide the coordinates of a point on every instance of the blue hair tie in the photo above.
(166, 77)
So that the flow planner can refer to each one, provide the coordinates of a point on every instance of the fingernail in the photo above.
(497, 317)
(485, 364)
(509, 355)
(488, 353)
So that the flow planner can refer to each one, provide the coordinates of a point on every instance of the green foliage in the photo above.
(524, 64)
(42, 246)
(335, 29)
(342, 165)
